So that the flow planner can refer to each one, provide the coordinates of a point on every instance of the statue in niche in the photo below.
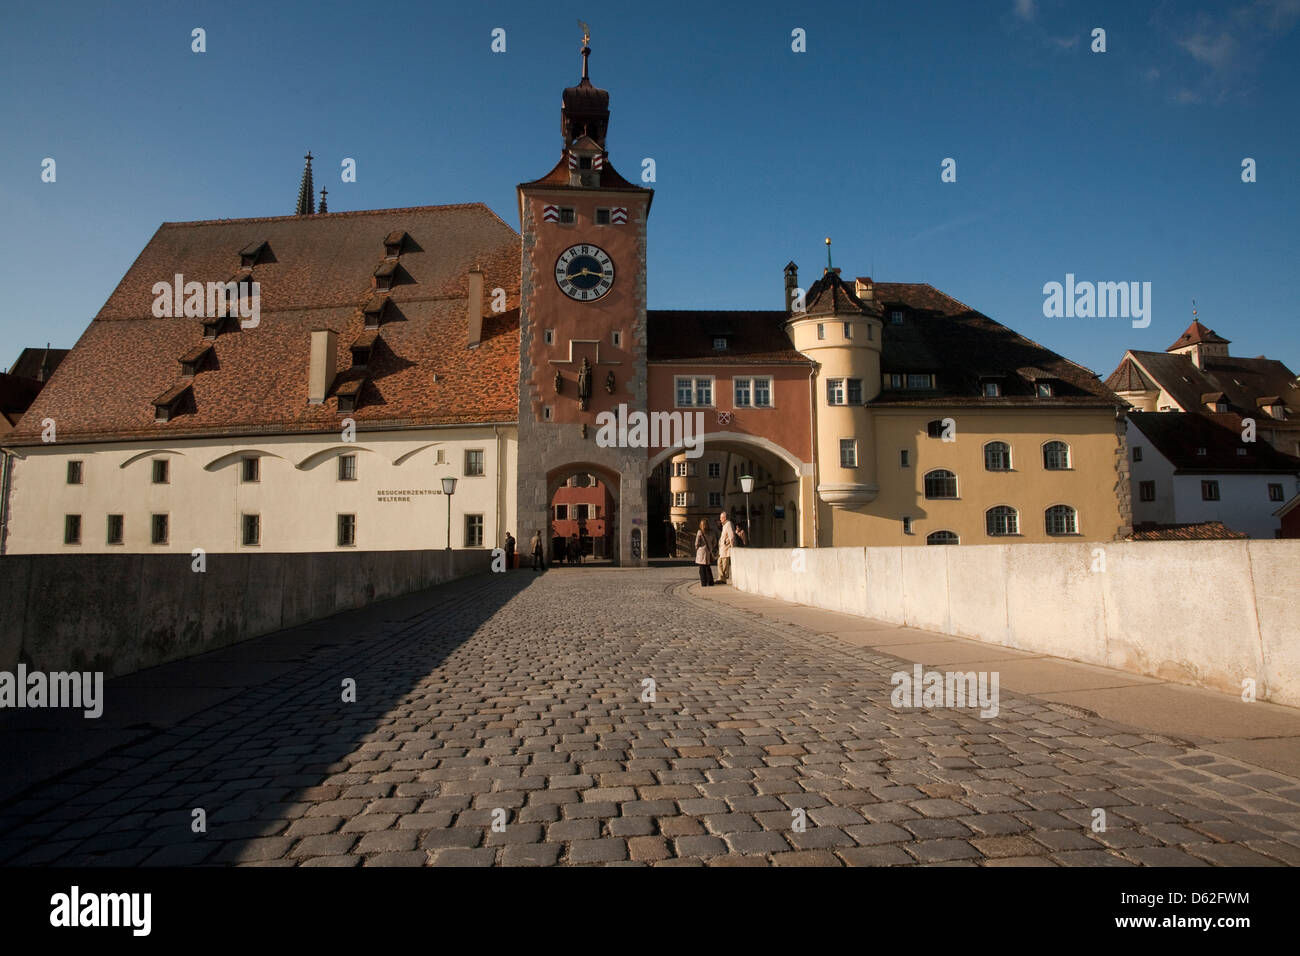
(609, 382)
(559, 382)
(584, 384)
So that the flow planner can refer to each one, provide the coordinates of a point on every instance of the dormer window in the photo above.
(992, 390)
(349, 394)
(584, 162)
(385, 275)
(194, 361)
(374, 311)
(1201, 452)
(1043, 389)
(168, 405)
(252, 254)
(363, 348)
(214, 326)
(719, 343)
(896, 317)
(1273, 407)
(394, 243)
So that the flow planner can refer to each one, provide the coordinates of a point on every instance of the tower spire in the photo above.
(829, 270)
(586, 48)
(323, 193)
(306, 192)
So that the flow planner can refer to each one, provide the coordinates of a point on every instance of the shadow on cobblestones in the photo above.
(247, 733)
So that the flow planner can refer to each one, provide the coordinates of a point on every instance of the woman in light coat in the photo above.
(704, 554)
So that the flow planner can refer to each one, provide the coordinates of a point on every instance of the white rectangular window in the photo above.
(158, 529)
(848, 330)
(853, 388)
(347, 531)
(347, 467)
(74, 472)
(473, 462)
(907, 525)
(473, 531)
(992, 390)
(115, 529)
(72, 529)
(848, 453)
(715, 469)
(161, 473)
(742, 392)
(835, 391)
(251, 469)
(679, 499)
(694, 391)
(581, 511)
(821, 331)
(252, 530)
(549, 336)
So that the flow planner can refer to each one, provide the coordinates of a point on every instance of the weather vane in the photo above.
(586, 33)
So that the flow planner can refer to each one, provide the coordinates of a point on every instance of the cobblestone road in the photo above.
(522, 693)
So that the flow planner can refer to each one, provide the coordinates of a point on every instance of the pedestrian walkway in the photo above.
(619, 716)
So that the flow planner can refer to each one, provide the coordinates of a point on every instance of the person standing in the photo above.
(539, 557)
(726, 541)
(510, 551)
(672, 540)
(575, 556)
(704, 554)
(561, 550)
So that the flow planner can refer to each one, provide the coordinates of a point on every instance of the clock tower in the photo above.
(582, 325)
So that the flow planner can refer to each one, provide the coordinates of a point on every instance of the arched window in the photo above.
(1001, 520)
(941, 537)
(1062, 519)
(940, 483)
(1056, 456)
(997, 456)
(934, 428)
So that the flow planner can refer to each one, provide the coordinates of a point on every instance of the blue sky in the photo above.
(1115, 166)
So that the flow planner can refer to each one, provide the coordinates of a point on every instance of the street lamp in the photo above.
(747, 485)
(449, 489)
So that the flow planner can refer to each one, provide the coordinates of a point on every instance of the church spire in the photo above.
(323, 193)
(306, 192)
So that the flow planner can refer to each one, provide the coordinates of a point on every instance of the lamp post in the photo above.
(747, 485)
(449, 489)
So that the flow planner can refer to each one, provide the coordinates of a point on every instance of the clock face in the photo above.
(584, 272)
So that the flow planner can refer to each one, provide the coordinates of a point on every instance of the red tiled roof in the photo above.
(317, 275)
(1129, 378)
(1195, 334)
(1198, 531)
(960, 346)
(1179, 436)
(753, 337)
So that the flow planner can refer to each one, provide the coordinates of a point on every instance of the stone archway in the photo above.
(701, 488)
(583, 500)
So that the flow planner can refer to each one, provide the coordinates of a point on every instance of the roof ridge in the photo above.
(350, 213)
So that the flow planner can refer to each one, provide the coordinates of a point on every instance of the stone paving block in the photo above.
(605, 850)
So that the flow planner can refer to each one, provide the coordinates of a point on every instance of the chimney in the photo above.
(474, 307)
(321, 374)
(864, 288)
(791, 283)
